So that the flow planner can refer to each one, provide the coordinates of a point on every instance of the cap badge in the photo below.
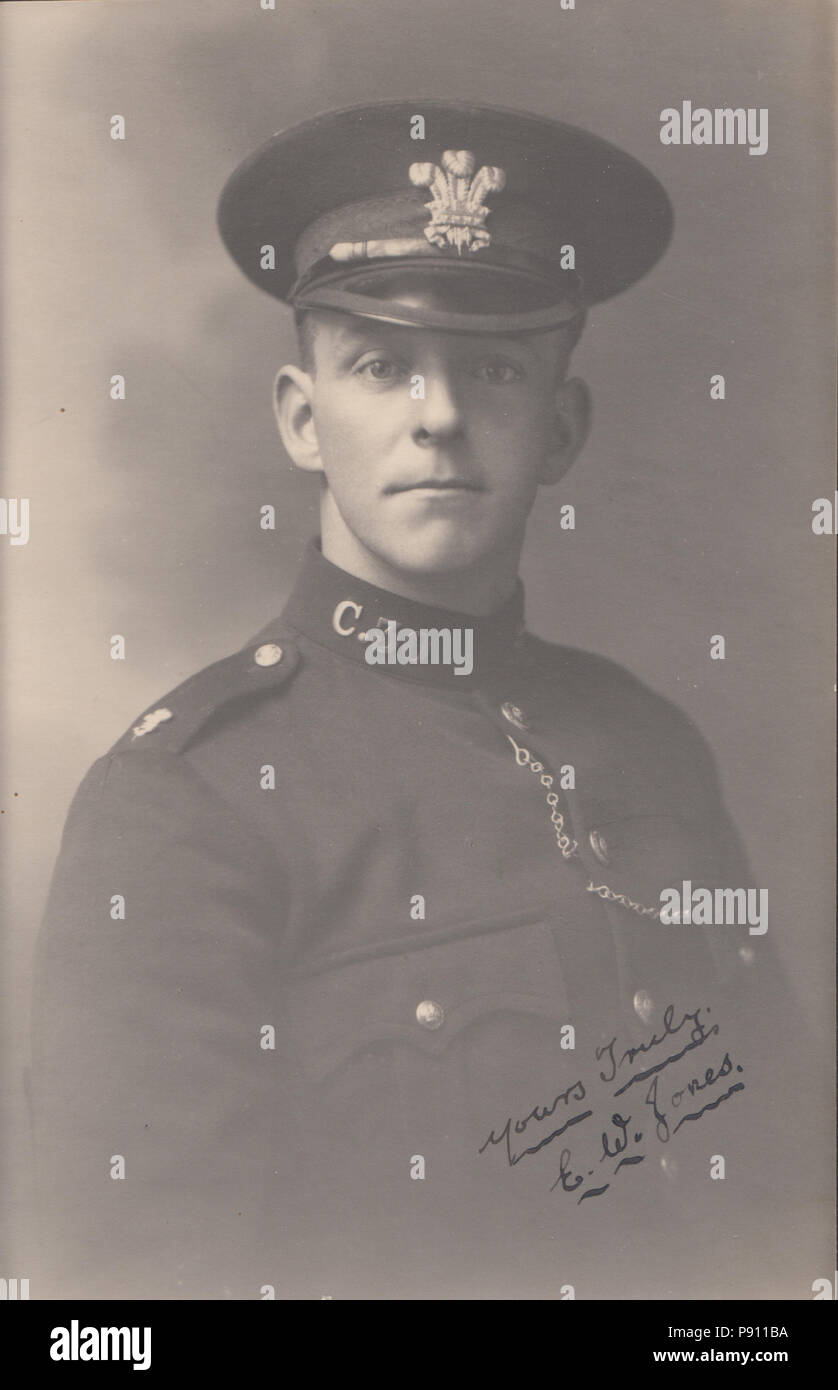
(457, 209)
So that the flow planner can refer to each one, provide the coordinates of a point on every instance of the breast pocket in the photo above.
(423, 996)
(404, 1060)
(415, 1053)
(641, 856)
(633, 861)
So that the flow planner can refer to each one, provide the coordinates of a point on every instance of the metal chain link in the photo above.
(524, 758)
(569, 847)
(603, 891)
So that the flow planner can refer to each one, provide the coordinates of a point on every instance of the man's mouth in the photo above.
(435, 485)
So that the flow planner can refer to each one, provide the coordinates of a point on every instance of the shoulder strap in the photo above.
(169, 724)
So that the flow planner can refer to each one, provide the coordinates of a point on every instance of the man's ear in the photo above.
(293, 390)
(571, 427)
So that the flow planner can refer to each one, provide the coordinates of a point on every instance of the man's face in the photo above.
(433, 444)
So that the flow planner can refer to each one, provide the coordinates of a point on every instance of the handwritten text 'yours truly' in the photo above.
(620, 1136)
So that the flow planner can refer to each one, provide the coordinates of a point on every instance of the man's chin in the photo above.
(451, 558)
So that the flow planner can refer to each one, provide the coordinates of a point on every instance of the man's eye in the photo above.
(379, 369)
(497, 371)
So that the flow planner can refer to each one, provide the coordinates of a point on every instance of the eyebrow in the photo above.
(347, 335)
(345, 342)
(518, 340)
(345, 346)
(351, 336)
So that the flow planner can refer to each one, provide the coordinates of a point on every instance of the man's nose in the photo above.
(439, 413)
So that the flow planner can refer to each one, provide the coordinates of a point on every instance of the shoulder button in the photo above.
(269, 654)
(430, 1014)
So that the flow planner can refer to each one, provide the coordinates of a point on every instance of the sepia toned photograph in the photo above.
(418, 538)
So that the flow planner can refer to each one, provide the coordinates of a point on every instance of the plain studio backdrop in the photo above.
(693, 516)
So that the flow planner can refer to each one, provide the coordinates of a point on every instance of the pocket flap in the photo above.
(422, 996)
(642, 855)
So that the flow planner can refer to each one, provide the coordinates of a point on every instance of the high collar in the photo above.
(336, 609)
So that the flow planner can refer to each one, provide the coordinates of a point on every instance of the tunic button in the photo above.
(514, 714)
(746, 955)
(644, 1005)
(669, 1166)
(429, 1014)
(599, 845)
(268, 655)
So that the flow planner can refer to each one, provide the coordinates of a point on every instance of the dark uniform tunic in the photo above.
(321, 1085)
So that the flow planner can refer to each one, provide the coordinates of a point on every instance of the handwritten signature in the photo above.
(621, 1136)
